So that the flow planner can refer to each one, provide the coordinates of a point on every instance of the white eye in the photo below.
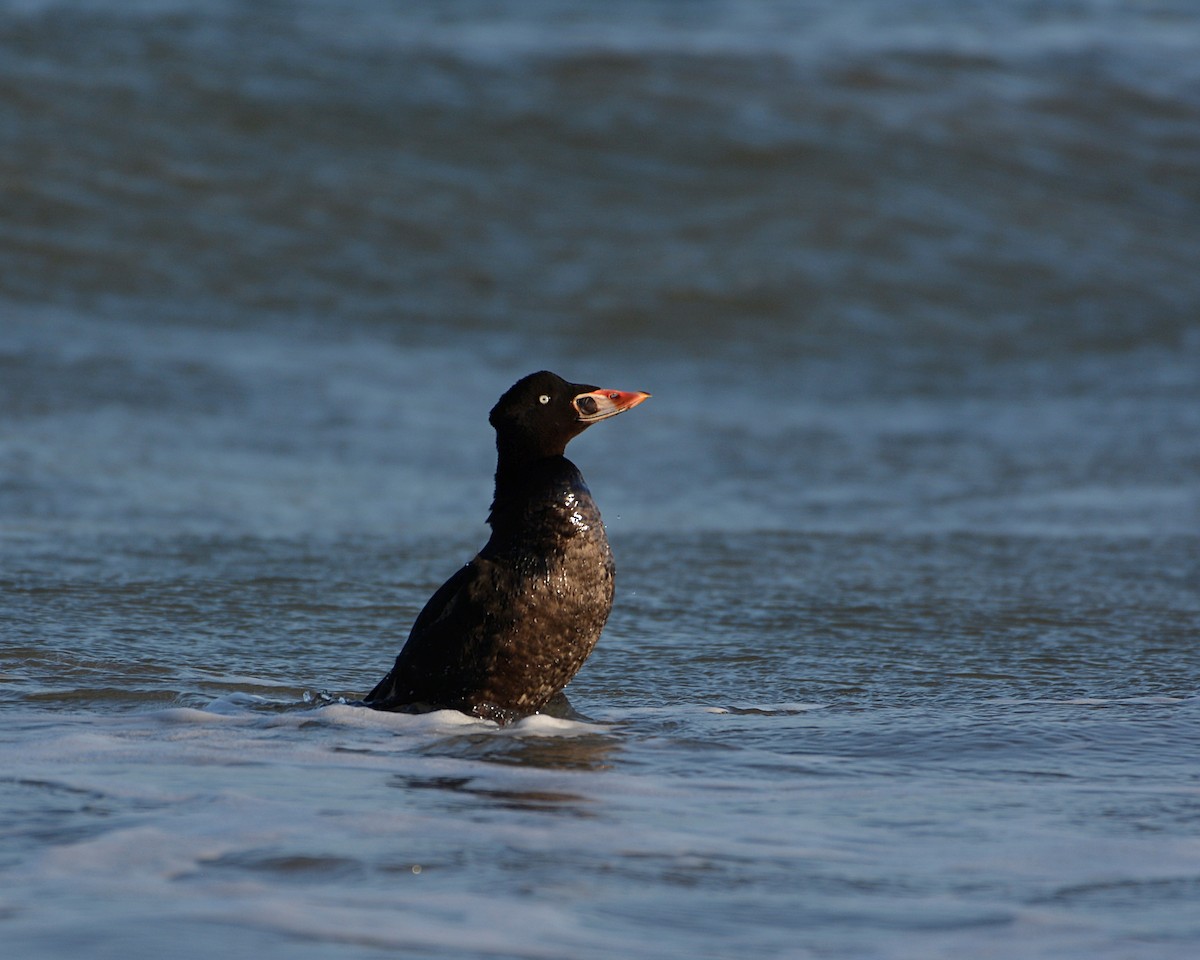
(544, 398)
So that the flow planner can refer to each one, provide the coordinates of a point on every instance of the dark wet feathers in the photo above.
(510, 629)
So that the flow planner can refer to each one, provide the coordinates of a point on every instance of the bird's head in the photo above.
(541, 413)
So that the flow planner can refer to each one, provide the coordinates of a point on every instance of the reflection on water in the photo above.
(502, 798)
(586, 752)
(534, 756)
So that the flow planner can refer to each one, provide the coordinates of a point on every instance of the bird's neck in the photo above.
(521, 478)
(526, 486)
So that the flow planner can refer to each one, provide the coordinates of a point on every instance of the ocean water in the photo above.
(905, 659)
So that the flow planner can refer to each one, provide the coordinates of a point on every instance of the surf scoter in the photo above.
(507, 632)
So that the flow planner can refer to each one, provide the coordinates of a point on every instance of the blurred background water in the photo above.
(904, 660)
